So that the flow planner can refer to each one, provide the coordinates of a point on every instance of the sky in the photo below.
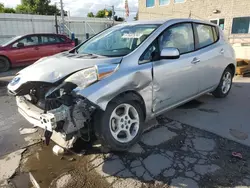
(82, 7)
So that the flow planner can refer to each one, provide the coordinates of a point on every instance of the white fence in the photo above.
(20, 24)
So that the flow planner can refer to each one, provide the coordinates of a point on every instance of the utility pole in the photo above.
(113, 14)
(62, 16)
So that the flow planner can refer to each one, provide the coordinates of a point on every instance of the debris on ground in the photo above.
(24, 131)
(237, 155)
(58, 150)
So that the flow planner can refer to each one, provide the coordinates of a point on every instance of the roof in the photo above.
(167, 20)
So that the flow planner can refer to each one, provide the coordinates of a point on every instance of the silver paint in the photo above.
(162, 84)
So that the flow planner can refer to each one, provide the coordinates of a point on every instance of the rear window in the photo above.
(207, 35)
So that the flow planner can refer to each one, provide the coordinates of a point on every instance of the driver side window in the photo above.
(27, 41)
(178, 36)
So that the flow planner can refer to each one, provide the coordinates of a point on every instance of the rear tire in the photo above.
(225, 84)
(120, 126)
(4, 64)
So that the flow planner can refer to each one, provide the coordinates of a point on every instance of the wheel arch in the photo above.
(232, 67)
(6, 58)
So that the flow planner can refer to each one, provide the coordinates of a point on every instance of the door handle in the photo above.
(36, 48)
(195, 60)
(222, 51)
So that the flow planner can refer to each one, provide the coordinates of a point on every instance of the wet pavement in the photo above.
(182, 156)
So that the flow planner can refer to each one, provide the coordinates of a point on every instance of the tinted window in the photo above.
(179, 36)
(62, 39)
(28, 41)
(150, 3)
(241, 25)
(205, 35)
(49, 39)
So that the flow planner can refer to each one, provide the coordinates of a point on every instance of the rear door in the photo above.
(27, 54)
(210, 55)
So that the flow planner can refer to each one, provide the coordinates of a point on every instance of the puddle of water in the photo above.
(191, 104)
(44, 165)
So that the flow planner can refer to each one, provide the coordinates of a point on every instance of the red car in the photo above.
(24, 50)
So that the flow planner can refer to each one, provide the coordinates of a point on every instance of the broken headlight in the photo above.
(84, 77)
(80, 79)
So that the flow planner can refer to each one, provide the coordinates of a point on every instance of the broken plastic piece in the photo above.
(27, 130)
(237, 154)
(57, 150)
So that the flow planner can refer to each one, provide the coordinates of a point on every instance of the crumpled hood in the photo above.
(54, 68)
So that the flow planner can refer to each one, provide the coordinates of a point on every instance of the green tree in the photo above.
(9, 10)
(90, 14)
(1, 8)
(37, 7)
(6, 9)
(102, 13)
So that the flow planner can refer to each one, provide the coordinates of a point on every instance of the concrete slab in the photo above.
(220, 116)
(9, 164)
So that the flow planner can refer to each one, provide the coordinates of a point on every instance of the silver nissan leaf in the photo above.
(122, 77)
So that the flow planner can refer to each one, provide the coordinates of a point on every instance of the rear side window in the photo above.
(50, 39)
(207, 35)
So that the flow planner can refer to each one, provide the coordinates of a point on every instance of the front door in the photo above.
(28, 53)
(175, 80)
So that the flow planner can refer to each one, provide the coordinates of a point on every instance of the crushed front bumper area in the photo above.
(66, 122)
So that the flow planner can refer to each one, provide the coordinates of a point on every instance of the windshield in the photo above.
(8, 41)
(117, 41)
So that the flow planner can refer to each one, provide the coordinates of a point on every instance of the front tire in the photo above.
(225, 84)
(121, 125)
(4, 64)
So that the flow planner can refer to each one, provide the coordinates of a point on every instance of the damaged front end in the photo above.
(57, 108)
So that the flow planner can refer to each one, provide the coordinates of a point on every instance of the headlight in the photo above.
(84, 77)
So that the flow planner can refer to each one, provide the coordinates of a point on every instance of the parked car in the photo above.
(25, 50)
(123, 77)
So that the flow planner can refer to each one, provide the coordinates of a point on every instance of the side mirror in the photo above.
(20, 45)
(170, 53)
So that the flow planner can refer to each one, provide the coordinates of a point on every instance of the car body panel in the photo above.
(173, 73)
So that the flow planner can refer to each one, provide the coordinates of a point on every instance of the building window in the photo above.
(219, 22)
(241, 25)
(150, 3)
(179, 1)
(164, 2)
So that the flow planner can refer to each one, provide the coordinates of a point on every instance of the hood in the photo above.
(54, 68)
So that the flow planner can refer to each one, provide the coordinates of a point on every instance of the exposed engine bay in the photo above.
(61, 110)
